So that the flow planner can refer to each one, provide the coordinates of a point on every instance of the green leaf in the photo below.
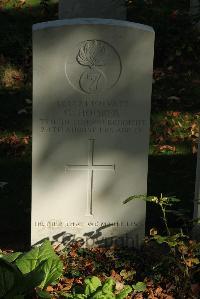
(134, 197)
(139, 286)
(108, 285)
(11, 257)
(43, 294)
(30, 260)
(52, 268)
(127, 275)
(91, 284)
(124, 293)
(160, 239)
(24, 284)
(8, 275)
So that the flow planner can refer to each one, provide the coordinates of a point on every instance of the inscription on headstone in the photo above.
(91, 112)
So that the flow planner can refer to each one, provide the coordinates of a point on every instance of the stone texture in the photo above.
(91, 111)
(107, 9)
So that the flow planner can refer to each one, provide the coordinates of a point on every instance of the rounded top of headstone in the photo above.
(91, 21)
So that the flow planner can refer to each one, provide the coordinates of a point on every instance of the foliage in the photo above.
(21, 273)
(93, 289)
(165, 267)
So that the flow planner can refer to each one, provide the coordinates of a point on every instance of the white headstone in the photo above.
(107, 9)
(92, 83)
(197, 196)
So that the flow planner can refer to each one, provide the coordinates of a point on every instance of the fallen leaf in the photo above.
(119, 286)
(153, 232)
(49, 289)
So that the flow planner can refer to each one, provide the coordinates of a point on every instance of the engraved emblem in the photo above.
(93, 67)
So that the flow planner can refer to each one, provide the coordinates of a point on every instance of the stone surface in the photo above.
(107, 9)
(91, 111)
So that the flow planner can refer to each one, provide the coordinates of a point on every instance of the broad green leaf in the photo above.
(26, 283)
(43, 294)
(91, 284)
(52, 268)
(124, 293)
(159, 239)
(11, 257)
(127, 275)
(8, 276)
(140, 286)
(30, 260)
(108, 285)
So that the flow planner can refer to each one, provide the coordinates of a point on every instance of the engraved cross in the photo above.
(90, 167)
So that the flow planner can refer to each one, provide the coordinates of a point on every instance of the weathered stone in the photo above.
(91, 112)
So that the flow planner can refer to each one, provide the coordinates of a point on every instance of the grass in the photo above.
(175, 104)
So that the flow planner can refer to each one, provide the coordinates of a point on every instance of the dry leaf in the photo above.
(49, 289)
(153, 231)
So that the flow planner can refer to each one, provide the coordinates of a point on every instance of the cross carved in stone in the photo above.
(90, 167)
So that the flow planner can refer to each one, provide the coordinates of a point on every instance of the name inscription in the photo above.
(99, 116)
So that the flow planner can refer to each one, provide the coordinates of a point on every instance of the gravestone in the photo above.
(92, 83)
(196, 216)
(107, 9)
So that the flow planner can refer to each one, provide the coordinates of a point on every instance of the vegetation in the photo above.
(165, 267)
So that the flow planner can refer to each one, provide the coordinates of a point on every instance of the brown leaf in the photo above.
(192, 261)
(49, 289)
(194, 149)
(26, 139)
(153, 231)
(116, 276)
(139, 296)
(167, 147)
(73, 253)
(67, 287)
(158, 291)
